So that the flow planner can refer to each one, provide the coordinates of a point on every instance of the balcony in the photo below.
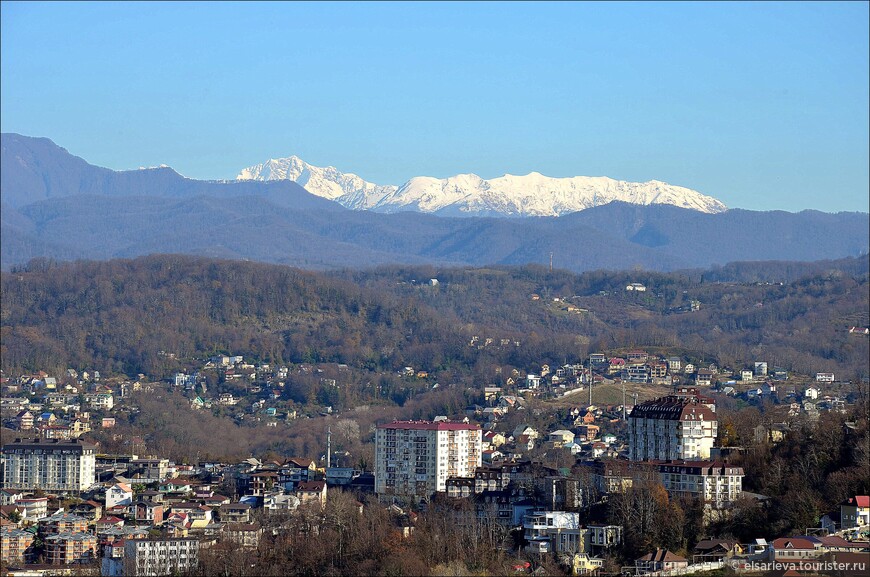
(539, 546)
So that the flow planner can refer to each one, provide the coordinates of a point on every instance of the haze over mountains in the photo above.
(57, 205)
(468, 194)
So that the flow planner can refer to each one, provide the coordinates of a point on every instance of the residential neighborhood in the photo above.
(65, 502)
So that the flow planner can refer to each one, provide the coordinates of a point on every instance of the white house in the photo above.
(855, 512)
(119, 494)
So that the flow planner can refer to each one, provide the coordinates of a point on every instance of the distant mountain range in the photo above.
(470, 195)
(57, 205)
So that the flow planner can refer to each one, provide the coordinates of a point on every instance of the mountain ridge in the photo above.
(58, 206)
(532, 194)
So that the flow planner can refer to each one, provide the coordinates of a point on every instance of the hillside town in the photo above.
(67, 503)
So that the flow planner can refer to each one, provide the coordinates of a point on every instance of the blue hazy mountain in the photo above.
(59, 206)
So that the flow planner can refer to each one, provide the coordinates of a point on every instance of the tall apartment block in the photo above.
(672, 428)
(413, 459)
(49, 464)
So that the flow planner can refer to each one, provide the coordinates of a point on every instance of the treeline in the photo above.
(785, 271)
(353, 538)
(120, 315)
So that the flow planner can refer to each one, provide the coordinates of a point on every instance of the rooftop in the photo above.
(430, 426)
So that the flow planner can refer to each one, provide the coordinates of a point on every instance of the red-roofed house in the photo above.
(616, 365)
(176, 485)
(296, 470)
(109, 522)
(855, 512)
(661, 560)
(793, 549)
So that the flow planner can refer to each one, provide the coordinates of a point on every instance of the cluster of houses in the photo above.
(66, 411)
(144, 506)
(841, 549)
(133, 509)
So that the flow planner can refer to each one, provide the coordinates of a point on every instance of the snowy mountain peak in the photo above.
(345, 188)
(468, 194)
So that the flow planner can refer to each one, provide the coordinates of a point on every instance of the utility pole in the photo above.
(623, 400)
(551, 261)
(328, 446)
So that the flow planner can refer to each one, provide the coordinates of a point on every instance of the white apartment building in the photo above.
(553, 531)
(561, 532)
(152, 557)
(49, 464)
(415, 458)
(716, 484)
(672, 428)
(105, 401)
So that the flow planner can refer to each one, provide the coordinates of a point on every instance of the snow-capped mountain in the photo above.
(468, 194)
(345, 188)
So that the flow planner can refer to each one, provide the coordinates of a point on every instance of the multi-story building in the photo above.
(671, 428)
(119, 494)
(716, 484)
(855, 512)
(149, 470)
(62, 522)
(637, 373)
(296, 470)
(415, 458)
(553, 531)
(24, 420)
(67, 548)
(561, 532)
(658, 370)
(15, 544)
(152, 557)
(32, 508)
(104, 401)
(49, 464)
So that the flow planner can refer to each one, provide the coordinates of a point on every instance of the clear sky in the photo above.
(761, 105)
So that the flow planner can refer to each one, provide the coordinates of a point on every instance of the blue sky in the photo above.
(761, 105)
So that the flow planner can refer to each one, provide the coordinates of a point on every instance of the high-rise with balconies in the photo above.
(672, 428)
(413, 459)
(49, 464)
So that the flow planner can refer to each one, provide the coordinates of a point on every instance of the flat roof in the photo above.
(430, 426)
(48, 444)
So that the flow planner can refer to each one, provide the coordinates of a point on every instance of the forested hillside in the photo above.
(121, 315)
